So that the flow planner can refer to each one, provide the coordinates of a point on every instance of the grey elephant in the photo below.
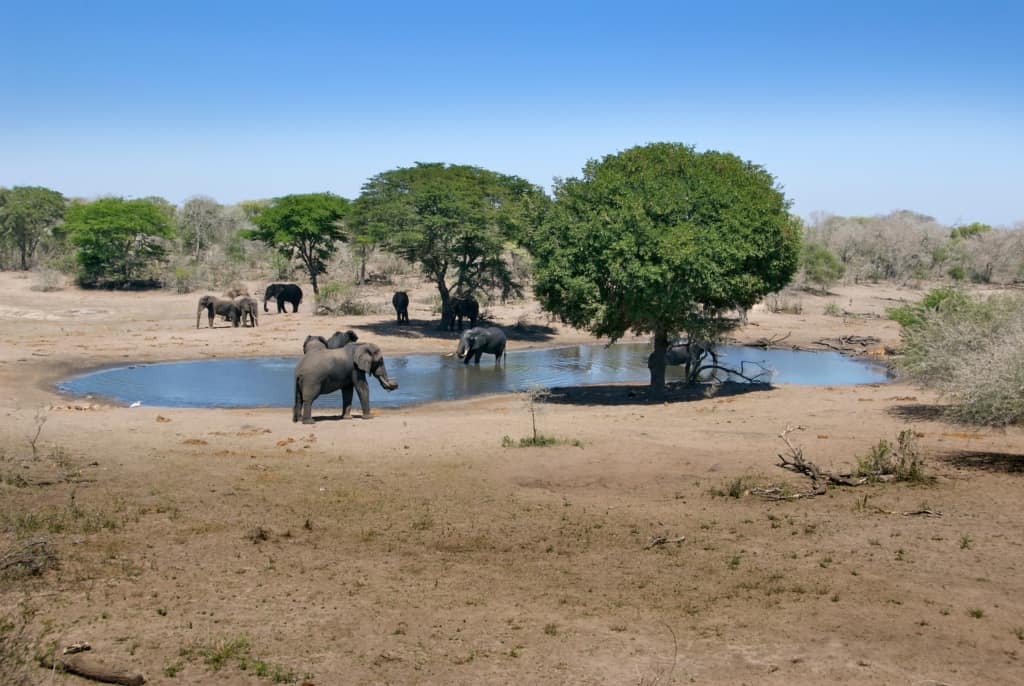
(218, 306)
(473, 343)
(400, 301)
(249, 308)
(283, 292)
(338, 340)
(344, 369)
(690, 353)
(458, 307)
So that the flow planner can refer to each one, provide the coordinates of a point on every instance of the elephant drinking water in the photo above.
(345, 369)
(479, 340)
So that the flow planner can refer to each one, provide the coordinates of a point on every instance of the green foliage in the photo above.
(336, 298)
(902, 462)
(662, 239)
(820, 266)
(970, 351)
(968, 230)
(913, 315)
(117, 239)
(453, 221)
(304, 226)
(27, 215)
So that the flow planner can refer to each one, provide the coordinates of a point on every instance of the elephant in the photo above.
(479, 340)
(326, 371)
(249, 308)
(400, 301)
(284, 292)
(458, 307)
(236, 291)
(214, 306)
(689, 353)
(338, 340)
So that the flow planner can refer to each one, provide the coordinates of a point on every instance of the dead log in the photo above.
(88, 668)
(662, 540)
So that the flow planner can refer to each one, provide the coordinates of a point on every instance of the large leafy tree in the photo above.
(454, 221)
(307, 226)
(27, 215)
(117, 239)
(663, 240)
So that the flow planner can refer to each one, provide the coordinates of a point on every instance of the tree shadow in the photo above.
(1006, 463)
(628, 394)
(918, 412)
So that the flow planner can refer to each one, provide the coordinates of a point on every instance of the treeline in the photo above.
(908, 247)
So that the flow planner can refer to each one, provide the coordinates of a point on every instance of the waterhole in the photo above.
(268, 381)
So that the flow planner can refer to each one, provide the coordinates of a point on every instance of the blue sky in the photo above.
(858, 109)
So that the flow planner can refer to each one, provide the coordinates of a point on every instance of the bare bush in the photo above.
(969, 350)
(47, 280)
(784, 302)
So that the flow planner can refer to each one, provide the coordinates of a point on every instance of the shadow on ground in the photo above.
(626, 394)
(918, 412)
(1006, 463)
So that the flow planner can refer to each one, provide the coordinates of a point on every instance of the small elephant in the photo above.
(458, 307)
(217, 306)
(400, 301)
(345, 369)
(338, 340)
(479, 340)
(249, 309)
(283, 292)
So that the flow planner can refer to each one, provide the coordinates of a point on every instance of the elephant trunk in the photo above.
(387, 383)
(463, 348)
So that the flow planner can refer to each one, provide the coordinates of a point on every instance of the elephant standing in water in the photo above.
(338, 340)
(457, 308)
(218, 306)
(284, 292)
(345, 369)
(400, 301)
(479, 340)
(690, 354)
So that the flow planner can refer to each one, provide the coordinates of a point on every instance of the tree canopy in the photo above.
(453, 221)
(663, 240)
(307, 226)
(27, 214)
(117, 239)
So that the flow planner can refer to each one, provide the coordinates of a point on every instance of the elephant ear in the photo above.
(352, 336)
(364, 358)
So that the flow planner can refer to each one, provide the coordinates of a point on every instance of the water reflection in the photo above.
(268, 381)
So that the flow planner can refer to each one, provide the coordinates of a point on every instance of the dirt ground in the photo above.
(235, 547)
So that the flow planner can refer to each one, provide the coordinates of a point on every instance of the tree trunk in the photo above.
(312, 280)
(658, 363)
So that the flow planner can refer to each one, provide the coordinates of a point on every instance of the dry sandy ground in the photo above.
(413, 548)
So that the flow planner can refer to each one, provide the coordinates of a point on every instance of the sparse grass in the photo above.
(976, 612)
(965, 542)
(902, 462)
(551, 629)
(734, 488)
(223, 651)
(538, 441)
(832, 309)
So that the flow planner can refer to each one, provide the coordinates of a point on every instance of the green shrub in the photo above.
(946, 297)
(820, 266)
(902, 462)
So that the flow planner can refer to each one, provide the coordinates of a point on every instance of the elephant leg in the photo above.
(297, 405)
(479, 354)
(212, 317)
(363, 389)
(346, 402)
(307, 406)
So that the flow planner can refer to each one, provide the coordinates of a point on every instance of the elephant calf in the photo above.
(345, 369)
(249, 309)
(479, 340)
(217, 306)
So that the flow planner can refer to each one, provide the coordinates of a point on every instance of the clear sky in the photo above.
(856, 107)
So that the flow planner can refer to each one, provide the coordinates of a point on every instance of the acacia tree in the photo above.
(27, 215)
(117, 239)
(306, 226)
(663, 240)
(199, 219)
(453, 221)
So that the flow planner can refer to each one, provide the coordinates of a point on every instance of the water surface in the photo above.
(269, 381)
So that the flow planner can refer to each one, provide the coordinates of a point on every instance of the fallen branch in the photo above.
(795, 462)
(661, 540)
(31, 559)
(733, 372)
(767, 342)
(83, 666)
(927, 512)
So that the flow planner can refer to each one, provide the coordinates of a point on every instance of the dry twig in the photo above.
(662, 540)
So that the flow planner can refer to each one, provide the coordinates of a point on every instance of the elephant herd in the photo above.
(238, 307)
